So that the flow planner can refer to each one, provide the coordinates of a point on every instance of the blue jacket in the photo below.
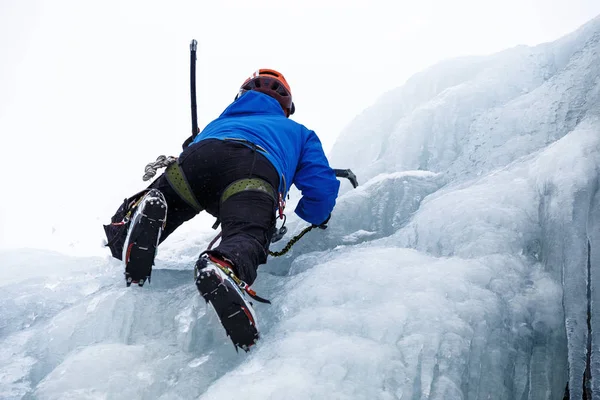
(295, 151)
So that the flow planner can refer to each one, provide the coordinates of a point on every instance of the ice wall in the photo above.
(459, 269)
(468, 116)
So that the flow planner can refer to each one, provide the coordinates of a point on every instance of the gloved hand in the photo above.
(189, 140)
(323, 225)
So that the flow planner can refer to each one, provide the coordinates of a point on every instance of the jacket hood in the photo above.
(253, 102)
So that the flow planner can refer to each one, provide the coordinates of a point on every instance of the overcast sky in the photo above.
(91, 91)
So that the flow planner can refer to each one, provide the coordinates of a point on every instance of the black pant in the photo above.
(247, 218)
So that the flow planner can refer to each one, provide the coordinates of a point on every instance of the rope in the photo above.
(291, 242)
(161, 162)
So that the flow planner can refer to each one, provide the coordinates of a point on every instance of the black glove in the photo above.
(323, 225)
(190, 140)
(187, 142)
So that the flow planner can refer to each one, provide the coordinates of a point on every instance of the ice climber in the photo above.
(239, 169)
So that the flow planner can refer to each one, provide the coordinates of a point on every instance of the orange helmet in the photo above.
(272, 83)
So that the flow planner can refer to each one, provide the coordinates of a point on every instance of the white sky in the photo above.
(92, 91)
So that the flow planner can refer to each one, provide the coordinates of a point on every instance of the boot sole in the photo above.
(235, 314)
(143, 241)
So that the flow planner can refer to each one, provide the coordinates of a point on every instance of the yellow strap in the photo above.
(241, 185)
(179, 183)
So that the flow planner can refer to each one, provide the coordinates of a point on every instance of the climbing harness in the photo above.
(179, 183)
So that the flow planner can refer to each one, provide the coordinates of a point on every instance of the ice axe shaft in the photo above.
(193, 47)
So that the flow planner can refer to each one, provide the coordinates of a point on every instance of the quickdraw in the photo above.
(161, 162)
(281, 206)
